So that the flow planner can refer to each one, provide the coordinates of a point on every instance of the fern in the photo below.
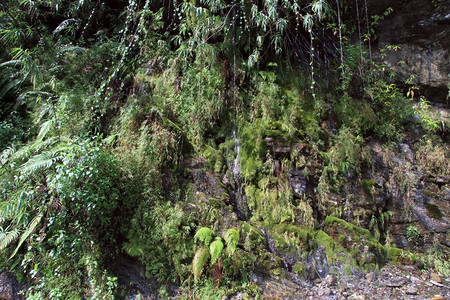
(45, 128)
(43, 160)
(31, 227)
(216, 249)
(37, 162)
(204, 234)
(8, 238)
(231, 237)
(200, 258)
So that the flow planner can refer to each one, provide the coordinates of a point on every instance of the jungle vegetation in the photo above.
(103, 102)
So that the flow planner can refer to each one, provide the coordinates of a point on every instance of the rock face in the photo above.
(9, 287)
(421, 29)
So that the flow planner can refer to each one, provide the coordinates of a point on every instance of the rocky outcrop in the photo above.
(9, 287)
(421, 30)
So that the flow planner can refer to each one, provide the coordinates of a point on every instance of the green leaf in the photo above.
(31, 227)
(204, 234)
(216, 249)
(8, 238)
(45, 128)
(200, 258)
(231, 237)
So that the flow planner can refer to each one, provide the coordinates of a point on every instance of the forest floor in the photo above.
(390, 282)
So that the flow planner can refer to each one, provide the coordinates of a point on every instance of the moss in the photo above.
(304, 236)
(252, 237)
(368, 185)
(276, 271)
(433, 211)
(393, 252)
(349, 227)
(429, 194)
(280, 243)
(299, 269)
(216, 203)
(347, 270)
(333, 250)
(214, 159)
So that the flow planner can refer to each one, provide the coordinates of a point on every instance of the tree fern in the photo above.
(216, 249)
(231, 237)
(200, 258)
(31, 227)
(204, 234)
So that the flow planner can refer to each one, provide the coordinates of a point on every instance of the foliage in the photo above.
(202, 254)
(231, 237)
(200, 258)
(204, 235)
(71, 195)
(163, 82)
(216, 249)
(413, 235)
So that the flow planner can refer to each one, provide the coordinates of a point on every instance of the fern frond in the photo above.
(6, 154)
(37, 162)
(231, 237)
(11, 85)
(23, 96)
(204, 235)
(200, 258)
(216, 249)
(31, 227)
(9, 238)
(45, 128)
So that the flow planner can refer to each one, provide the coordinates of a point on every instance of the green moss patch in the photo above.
(433, 211)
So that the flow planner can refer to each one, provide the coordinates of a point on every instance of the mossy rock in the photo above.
(216, 203)
(300, 269)
(252, 237)
(347, 270)
(280, 243)
(429, 194)
(433, 211)
(304, 236)
(269, 261)
(368, 185)
(350, 228)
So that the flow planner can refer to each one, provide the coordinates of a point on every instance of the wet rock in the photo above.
(435, 277)
(371, 277)
(298, 183)
(356, 297)
(330, 280)
(9, 287)
(395, 283)
(281, 151)
(406, 151)
(6, 291)
(412, 290)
